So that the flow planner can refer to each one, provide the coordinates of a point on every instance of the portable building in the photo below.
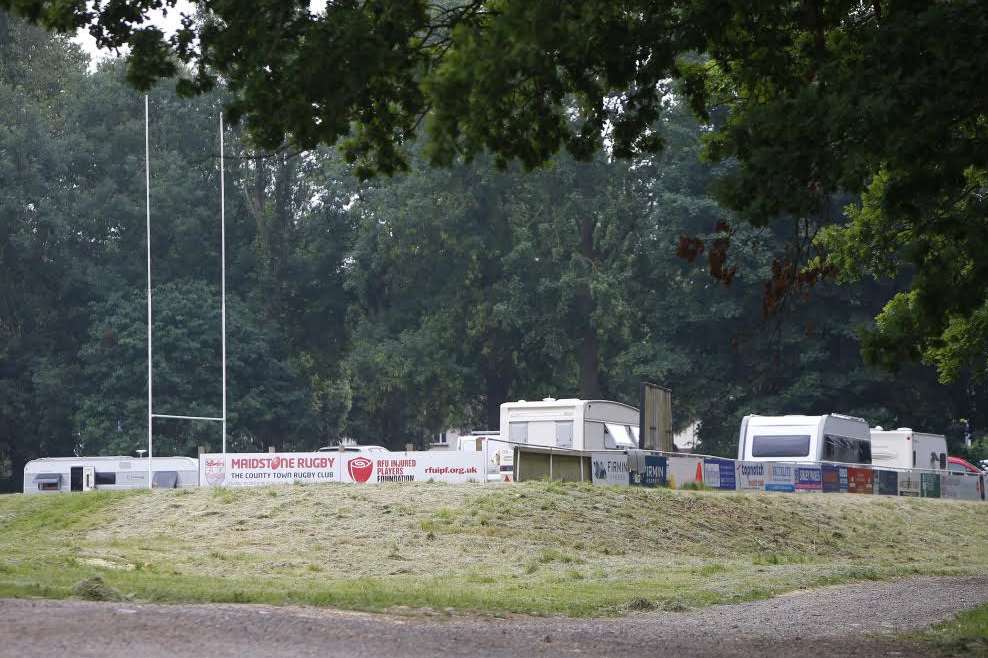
(904, 448)
(570, 423)
(794, 438)
(52, 474)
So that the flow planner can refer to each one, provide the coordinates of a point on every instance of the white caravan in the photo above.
(827, 438)
(53, 474)
(572, 424)
(904, 448)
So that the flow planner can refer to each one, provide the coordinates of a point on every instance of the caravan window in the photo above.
(846, 450)
(564, 433)
(48, 481)
(105, 478)
(518, 432)
(781, 446)
(618, 436)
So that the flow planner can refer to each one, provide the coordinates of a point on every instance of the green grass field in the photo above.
(536, 548)
(965, 635)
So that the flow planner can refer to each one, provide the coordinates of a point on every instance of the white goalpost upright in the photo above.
(147, 201)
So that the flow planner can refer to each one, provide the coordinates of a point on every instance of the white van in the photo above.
(500, 455)
(570, 423)
(904, 448)
(53, 474)
(827, 438)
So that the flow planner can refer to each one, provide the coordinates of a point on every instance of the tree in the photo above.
(268, 402)
(42, 292)
(825, 98)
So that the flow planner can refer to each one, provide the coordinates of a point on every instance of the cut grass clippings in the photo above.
(534, 548)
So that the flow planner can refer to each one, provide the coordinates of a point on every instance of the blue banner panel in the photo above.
(654, 475)
(888, 483)
(719, 473)
(809, 478)
(834, 478)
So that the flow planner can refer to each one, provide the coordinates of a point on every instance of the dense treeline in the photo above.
(385, 311)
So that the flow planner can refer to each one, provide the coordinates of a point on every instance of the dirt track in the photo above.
(851, 620)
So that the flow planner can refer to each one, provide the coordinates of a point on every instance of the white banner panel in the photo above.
(610, 467)
(683, 471)
(780, 476)
(961, 486)
(909, 482)
(751, 476)
(267, 468)
(418, 466)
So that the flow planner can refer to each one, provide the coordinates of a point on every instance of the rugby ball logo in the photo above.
(360, 469)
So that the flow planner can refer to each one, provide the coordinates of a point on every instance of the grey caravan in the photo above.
(827, 438)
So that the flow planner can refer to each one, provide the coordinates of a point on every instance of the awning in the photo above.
(48, 478)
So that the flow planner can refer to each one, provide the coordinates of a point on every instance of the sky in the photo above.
(169, 24)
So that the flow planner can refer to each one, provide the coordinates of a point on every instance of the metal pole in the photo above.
(223, 274)
(147, 203)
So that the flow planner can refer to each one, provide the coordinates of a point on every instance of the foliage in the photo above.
(390, 310)
(823, 98)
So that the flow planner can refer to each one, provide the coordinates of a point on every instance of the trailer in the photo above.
(571, 424)
(904, 448)
(794, 438)
(54, 474)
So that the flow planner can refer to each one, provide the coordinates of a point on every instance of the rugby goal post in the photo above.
(147, 204)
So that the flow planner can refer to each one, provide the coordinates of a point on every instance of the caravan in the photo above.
(904, 448)
(570, 424)
(53, 474)
(827, 438)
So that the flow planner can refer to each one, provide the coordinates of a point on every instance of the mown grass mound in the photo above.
(540, 548)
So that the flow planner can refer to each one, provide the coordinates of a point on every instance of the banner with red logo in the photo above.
(267, 468)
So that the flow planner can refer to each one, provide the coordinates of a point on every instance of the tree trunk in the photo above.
(497, 391)
(589, 348)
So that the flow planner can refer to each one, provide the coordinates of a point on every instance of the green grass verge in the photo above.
(965, 635)
(534, 548)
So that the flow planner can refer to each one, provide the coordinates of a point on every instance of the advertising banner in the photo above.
(960, 486)
(888, 483)
(267, 468)
(781, 476)
(909, 484)
(259, 469)
(929, 484)
(834, 478)
(682, 471)
(719, 473)
(860, 480)
(750, 476)
(417, 466)
(809, 478)
(652, 473)
(610, 468)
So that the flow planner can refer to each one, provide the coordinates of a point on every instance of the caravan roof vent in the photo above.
(904, 429)
(878, 428)
(548, 399)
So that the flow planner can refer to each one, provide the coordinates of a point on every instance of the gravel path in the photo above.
(847, 620)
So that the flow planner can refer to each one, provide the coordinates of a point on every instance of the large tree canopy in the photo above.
(822, 98)
(393, 308)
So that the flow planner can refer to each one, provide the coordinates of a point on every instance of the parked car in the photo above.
(959, 465)
(354, 448)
